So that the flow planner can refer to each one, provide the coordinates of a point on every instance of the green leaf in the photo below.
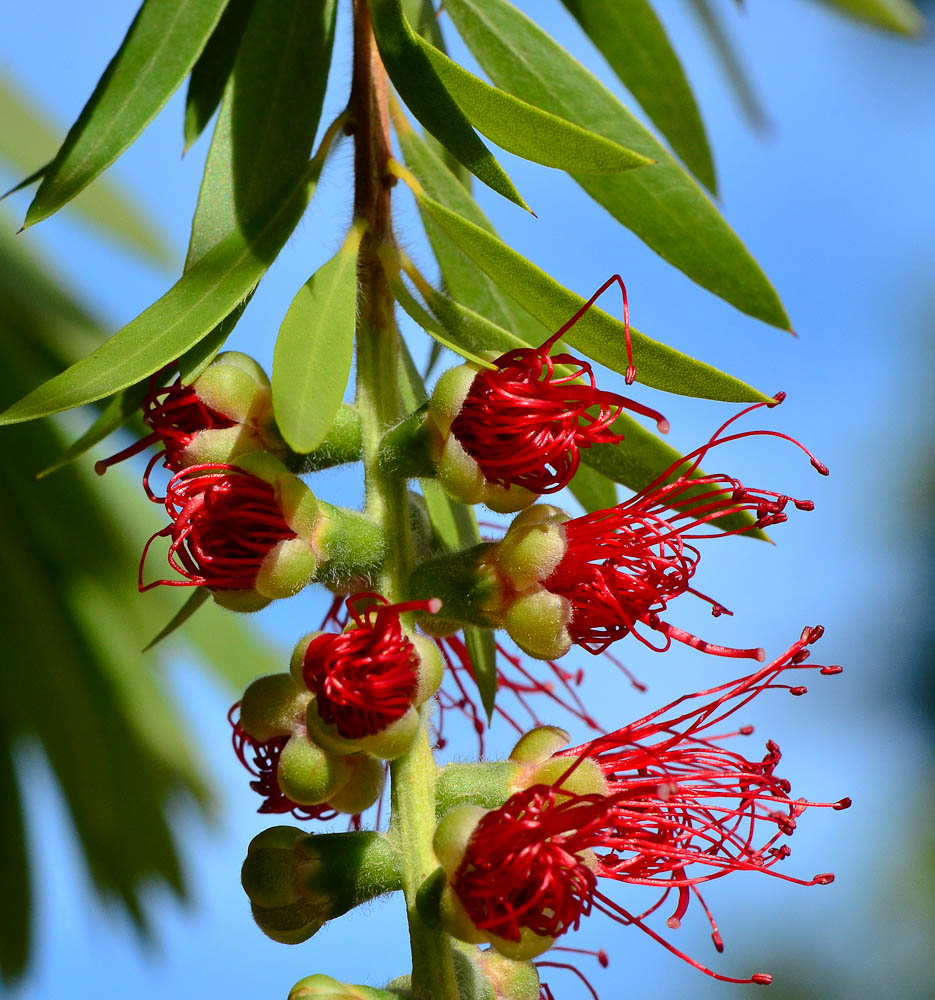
(642, 457)
(192, 603)
(633, 40)
(194, 361)
(15, 914)
(189, 311)
(210, 74)
(314, 350)
(413, 75)
(115, 414)
(482, 647)
(596, 334)
(159, 50)
(466, 282)
(592, 489)
(663, 205)
(27, 138)
(900, 16)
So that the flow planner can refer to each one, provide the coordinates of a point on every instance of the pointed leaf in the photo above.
(900, 16)
(192, 603)
(194, 361)
(314, 350)
(592, 489)
(415, 78)
(189, 311)
(596, 334)
(159, 50)
(210, 74)
(633, 40)
(482, 647)
(663, 205)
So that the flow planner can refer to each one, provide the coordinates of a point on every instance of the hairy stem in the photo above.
(413, 775)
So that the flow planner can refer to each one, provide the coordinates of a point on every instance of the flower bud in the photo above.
(272, 706)
(536, 621)
(319, 987)
(309, 775)
(511, 980)
(533, 546)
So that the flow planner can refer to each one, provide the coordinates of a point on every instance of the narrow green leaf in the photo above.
(192, 603)
(482, 647)
(189, 311)
(15, 914)
(633, 40)
(159, 50)
(900, 16)
(314, 350)
(115, 414)
(592, 489)
(642, 457)
(210, 74)
(194, 361)
(596, 334)
(466, 282)
(663, 205)
(28, 138)
(415, 78)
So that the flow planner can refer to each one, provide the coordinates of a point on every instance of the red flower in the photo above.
(224, 523)
(524, 423)
(624, 565)
(681, 810)
(261, 759)
(365, 678)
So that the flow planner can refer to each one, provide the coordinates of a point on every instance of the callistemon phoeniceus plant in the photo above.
(497, 861)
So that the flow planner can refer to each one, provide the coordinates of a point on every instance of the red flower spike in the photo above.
(262, 761)
(224, 522)
(625, 564)
(174, 414)
(524, 423)
(366, 678)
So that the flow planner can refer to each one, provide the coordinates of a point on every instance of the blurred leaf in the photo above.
(189, 311)
(413, 75)
(210, 73)
(633, 40)
(663, 205)
(27, 139)
(592, 489)
(16, 912)
(900, 16)
(159, 50)
(731, 63)
(596, 334)
(193, 602)
(314, 350)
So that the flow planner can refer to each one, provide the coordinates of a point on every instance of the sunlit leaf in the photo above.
(633, 40)
(314, 350)
(663, 205)
(900, 16)
(592, 489)
(159, 50)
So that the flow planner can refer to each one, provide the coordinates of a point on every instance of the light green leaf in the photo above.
(592, 489)
(159, 50)
(314, 350)
(634, 42)
(596, 334)
(900, 16)
(189, 311)
(194, 361)
(27, 138)
(415, 78)
(210, 74)
(663, 205)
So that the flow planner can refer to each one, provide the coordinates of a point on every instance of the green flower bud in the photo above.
(533, 546)
(309, 775)
(273, 706)
(536, 622)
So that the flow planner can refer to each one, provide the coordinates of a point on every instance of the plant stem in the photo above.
(412, 821)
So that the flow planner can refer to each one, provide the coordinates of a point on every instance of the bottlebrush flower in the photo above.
(227, 411)
(368, 681)
(506, 435)
(679, 809)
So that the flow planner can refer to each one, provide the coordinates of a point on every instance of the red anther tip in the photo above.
(816, 633)
(825, 878)
(663, 426)
(820, 467)
(804, 504)
(761, 979)
(760, 655)
(434, 605)
(745, 730)
(797, 691)
(777, 399)
(100, 468)
(603, 959)
(673, 923)
(630, 376)
(832, 668)
(844, 803)
(718, 942)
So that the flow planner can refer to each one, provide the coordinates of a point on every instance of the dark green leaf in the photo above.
(314, 350)
(415, 78)
(596, 334)
(482, 647)
(160, 48)
(210, 74)
(592, 489)
(900, 16)
(663, 205)
(194, 361)
(16, 912)
(634, 42)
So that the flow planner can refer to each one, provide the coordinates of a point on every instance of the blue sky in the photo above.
(835, 201)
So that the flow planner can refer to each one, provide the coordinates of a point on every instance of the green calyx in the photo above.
(319, 987)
